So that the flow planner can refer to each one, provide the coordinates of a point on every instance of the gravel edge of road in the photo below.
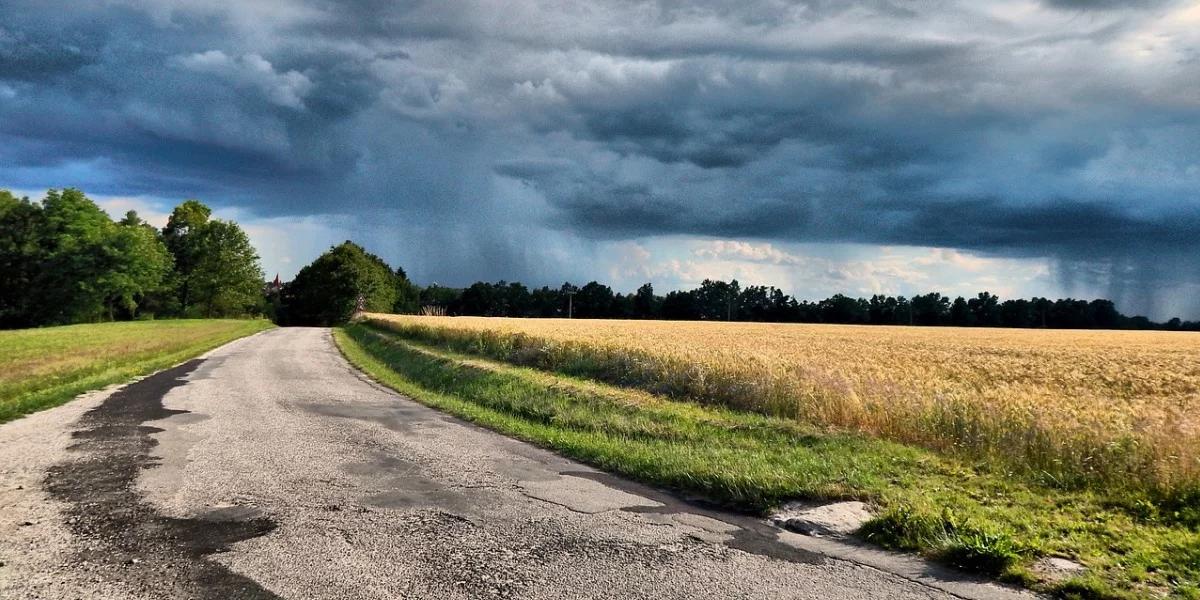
(907, 566)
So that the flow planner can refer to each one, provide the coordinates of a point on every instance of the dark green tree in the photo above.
(681, 305)
(1103, 314)
(140, 263)
(408, 295)
(754, 303)
(327, 291)
(75, 238)
(547, 302)
(718, 300)
(840, 308)
(185, 220)
(885, 310)
(217, 272)
(645, 304)
(21, 224)
(484, 299)
(439, 296)
(66, 261)
(1017, 313)
(930, 309)
(985, 310)
(960, 313)
(225, 278)
(594, 301)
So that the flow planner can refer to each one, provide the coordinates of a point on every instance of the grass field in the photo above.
(984, 448)
(45, 367)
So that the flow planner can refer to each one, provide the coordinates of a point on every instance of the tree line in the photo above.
(348, 278)
(64, 260)
(729, 301)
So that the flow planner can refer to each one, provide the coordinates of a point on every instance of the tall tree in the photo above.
(985, 309)
(1016, 313)
(930, 309)
(645, 303)
(217, 272)
(594, 301)
(85, 266)
(326, 292)
(547, 302)
(225, 279)
(681, 305)
(840, 308)
(717, 300)
(140, 266)
(439, 296)
(408, 295)
(21, 253)
(180, 237)
(960, 313)
(75, 236)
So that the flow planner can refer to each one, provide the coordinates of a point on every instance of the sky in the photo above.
(1044, 147)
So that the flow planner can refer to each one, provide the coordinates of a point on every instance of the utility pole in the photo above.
(570, 305)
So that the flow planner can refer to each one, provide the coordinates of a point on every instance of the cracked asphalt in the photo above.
(270, 468)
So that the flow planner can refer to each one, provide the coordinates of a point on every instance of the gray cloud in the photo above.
(23, 56)
(1069, 133)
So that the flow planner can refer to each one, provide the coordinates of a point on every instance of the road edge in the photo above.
(74, 390)
(911, 567)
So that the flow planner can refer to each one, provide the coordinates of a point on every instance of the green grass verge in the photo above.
(40, 368)
(948, 511)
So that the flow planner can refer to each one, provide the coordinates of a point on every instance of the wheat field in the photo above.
(1069, 408)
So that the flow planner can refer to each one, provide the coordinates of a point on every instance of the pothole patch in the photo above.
(838, 519)
(122, 536)
(1055, 568)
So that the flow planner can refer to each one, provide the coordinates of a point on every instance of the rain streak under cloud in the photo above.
(1047, 148)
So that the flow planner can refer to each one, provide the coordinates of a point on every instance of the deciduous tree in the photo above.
(326, 291)
(217, 272)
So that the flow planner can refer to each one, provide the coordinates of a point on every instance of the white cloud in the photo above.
(735, 250)
(252, 71)
(150, 210)
(814, 271)
(287, 244)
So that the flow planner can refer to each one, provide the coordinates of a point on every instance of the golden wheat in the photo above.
(1067, 406)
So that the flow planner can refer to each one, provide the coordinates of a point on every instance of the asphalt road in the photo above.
(272, 469)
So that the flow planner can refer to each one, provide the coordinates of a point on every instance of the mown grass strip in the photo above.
(747, 461)
(41, 368)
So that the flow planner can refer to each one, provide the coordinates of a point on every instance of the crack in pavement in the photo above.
(124, 535)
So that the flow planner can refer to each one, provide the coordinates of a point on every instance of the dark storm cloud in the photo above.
(1067, 132)
(1074, 226)
(30, 56)
(1067, 228)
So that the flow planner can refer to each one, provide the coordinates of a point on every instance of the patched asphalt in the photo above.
(272, 469)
